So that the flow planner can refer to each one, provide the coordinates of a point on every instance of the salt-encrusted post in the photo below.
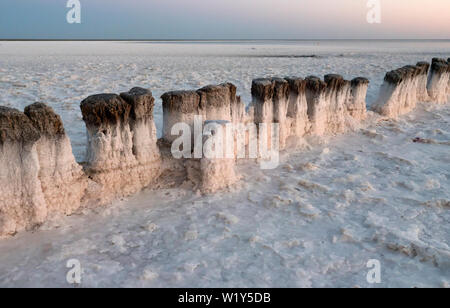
(317, 104)
(215, 101)
(211, 102)
(412, 73)
(62, 179)
(262, 100)
(280, 106)
(388, 98)
(120, 157)
(398, 94)
(179, 107)
(217, 169)
(438, 80)
(297, 112)
(110, 141)
(39, 177)
(422, 92)
(143, 127)
(238, 113)
(337, 94)
(22, 203)
(356, 106)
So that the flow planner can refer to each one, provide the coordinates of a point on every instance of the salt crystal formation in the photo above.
(280, 106)
(38, 173)
(22, 202)
(422, 91)
(143, 127)
(438, 80)
(211, 102)
(216, 104)
(334, 104)
(401, 91)
(62, 180)
(356, 106)
(238, 112)
(122, 154)
(297, 111)
(317, 104)
(262, 96)
(337, 94)
(270, 102)
(179, 107)
(217, 171)
(403, 88)
(309, 105)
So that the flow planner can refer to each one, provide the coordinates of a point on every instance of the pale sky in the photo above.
(225, 19)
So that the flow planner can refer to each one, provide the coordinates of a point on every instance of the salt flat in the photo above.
(62, 74)
(314, 221)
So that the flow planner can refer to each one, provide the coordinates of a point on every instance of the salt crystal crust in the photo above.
(122, 155)
(438, 80)
(399, 92)
(403, 88)
(39, 177)
(213, 102)
(62, 179)
(216, 170)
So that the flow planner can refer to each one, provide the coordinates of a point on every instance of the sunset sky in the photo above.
(220, 19)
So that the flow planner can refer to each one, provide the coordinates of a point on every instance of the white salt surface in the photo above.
(314, 221)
